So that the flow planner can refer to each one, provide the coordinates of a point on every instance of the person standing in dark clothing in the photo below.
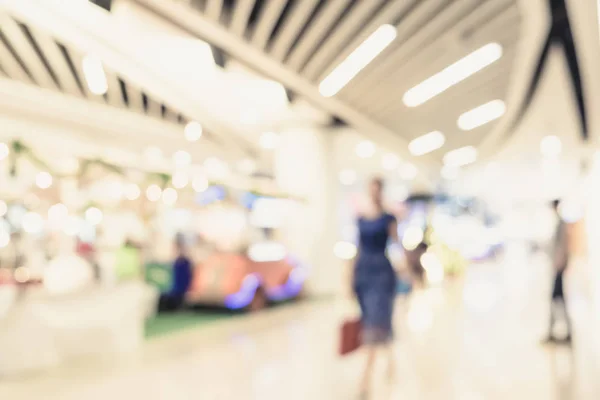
(560, 261)
(182, 278)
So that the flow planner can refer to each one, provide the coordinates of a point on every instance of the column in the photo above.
(304, 166)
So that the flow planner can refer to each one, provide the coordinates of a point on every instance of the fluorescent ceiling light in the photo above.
(461, 156)
(481, 115)
(193, 131)
(94, 75)
(427, 143)
(357, 60)
(453, 74)
(551, 146)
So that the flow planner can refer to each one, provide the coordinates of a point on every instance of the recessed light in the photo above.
(153, 192)
(193, 131)
(200, 183)
(94, 75)
(132, 191)
(93, 215)
(43, 180)
(180, 179)
(169, 196)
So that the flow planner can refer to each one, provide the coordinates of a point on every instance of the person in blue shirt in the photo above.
(375, 282)
(182, 278)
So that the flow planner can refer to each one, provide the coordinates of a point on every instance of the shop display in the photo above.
(84, 254)
(248, 269)
(237, 282)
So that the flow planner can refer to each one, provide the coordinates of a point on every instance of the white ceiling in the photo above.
(300, 42)
(31, 55)
(293, 45)
(153, 70)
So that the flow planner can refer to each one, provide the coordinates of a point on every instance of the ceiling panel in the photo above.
(310, 38)
(30, 55)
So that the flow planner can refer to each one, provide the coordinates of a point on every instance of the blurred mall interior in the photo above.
(188, 207)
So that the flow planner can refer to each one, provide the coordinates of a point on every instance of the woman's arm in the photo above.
(393, 229)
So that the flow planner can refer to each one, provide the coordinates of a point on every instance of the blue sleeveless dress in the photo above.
(375, 280)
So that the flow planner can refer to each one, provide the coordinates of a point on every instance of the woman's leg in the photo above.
(391, 362)
(371, 352)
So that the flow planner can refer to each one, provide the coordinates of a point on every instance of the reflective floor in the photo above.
(477, 338)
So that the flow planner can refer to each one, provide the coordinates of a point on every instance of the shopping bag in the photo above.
(350, 333)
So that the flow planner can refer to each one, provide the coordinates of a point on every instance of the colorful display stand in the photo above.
(236, 282)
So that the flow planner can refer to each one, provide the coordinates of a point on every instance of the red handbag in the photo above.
(350, 336)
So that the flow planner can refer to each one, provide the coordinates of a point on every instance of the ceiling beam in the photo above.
(115, 95)
(83, 26)
(295, 20)
(536, 21)
(241, 14)
(255, 58)
(154, 109)
(214, 9)
(57, 60)
(134, 99)
(22, 46)
(339, 37)
(418, 43)
(10, 65)
(97, 123)
(266, 22)
(77, 60)
(316, 32)
(389, 14)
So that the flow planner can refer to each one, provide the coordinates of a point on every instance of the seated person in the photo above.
(182, 277)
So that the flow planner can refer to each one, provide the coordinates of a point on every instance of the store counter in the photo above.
(40, 331)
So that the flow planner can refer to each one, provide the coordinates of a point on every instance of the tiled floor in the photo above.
(474, 339)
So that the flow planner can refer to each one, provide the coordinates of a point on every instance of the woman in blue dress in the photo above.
(375, 281)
